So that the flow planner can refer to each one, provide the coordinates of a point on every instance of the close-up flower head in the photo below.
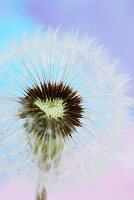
(63, 108)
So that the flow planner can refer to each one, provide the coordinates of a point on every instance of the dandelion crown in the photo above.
(63, 108)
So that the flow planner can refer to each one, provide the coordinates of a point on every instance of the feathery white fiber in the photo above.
(79, 62)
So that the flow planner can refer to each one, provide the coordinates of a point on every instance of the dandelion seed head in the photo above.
(65, 109)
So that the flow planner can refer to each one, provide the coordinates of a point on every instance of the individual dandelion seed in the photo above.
(63, 108)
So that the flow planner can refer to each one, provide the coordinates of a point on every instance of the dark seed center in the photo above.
(53, 105)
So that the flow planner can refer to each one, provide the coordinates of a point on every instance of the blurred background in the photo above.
(112, 22)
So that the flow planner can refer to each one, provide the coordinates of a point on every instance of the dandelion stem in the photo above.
(42, 195)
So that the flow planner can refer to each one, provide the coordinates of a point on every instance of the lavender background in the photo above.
(112, 22)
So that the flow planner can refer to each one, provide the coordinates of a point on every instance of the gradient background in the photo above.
(112, 21)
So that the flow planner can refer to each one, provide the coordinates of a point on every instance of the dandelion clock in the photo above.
(63, 108)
